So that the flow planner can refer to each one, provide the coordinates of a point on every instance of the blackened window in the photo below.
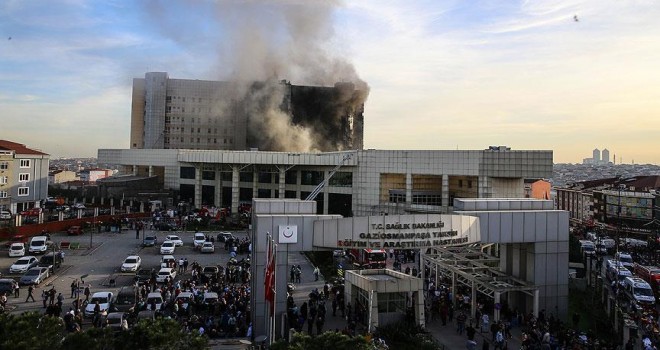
(187, 172)
(208, 175)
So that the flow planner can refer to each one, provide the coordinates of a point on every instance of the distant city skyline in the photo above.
(443, 74)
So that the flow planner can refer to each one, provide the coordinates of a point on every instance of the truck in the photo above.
(368, 258)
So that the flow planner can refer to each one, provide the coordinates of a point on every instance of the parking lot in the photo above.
(99, 258)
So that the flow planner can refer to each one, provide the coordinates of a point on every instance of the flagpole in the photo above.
(274, 292)
(266, 308)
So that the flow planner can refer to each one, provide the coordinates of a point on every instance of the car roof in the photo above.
(17, 244)
(133, 256)
(184, 294)
(173, 236)
(208, 243)
(210, 294)
(39, 238)
(168, 241)
(27, 257)
(165, 257)
(101, 294)
(168, 269)
(154, 294)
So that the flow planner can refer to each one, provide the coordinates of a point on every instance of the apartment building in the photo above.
(23, 176)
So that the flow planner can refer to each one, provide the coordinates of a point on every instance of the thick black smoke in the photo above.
(263, 43)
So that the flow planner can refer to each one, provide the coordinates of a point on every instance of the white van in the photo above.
(587, 247)
(38, 245)
(616, 271)
(638, 290)
(625, 259)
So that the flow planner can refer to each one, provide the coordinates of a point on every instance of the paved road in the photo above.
(103, 259)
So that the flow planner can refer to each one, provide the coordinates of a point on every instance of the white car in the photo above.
(131, 264)
(167, 247)
(168, 261)
(199, 239)
(23, 264)
(154, 299)
(174, 238)
(164, 273)
(104, 299)
(186, 299)
(38, 244)
(207, 247)
(16, 249)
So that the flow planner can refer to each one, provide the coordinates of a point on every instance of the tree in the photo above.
(162, 334)
(31, 330)
(326, 341)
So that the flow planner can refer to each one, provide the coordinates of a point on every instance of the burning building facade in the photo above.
(270, 115)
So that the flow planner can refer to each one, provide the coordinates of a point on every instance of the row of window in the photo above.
(25, 163)
(211, 120)
(168, 140)
(340, 179)
(22, 177)
(22, 191)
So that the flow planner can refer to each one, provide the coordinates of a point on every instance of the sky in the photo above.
(566, 76)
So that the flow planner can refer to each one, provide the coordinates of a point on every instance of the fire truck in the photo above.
(368, 258)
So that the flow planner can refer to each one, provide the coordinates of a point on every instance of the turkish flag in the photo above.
(269, 281)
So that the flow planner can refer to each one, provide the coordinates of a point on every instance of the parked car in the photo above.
(5, 215)
(125, 299)
(207, 247)
(199, 239)
(142, 276)
(210, 298)
(74, 231)
(23, 264)
(149, 241)
(78, 206)
(131, 263)
(34, 276)
(51, 260)
(164, 273)
(210, 271)
(168, 261)
(154, 300)
(38, 245)
(16, 239)
(16, 249)
(167, 247)
(114, 321)
(104, 299)
(175, 239)
(224, 236)
(7, 285)
(186, 298)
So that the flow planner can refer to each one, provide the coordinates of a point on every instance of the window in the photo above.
(311, 177)
(469, 183)
(3, 180)
(3, 194)
(23, 177)
(208, 175)
(4, 165)
(23, 191)
(25, 163)
(187, 172)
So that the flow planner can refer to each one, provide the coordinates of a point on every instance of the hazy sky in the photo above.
(443, 74)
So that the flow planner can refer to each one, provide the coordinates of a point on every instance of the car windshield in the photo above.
(185, 299)
(625, 259)
(101, 300)
(164, 273)
(174, 238)
(208, 244)
(34, 272)
(167, 244)
(17, 247)
(38, 243)
(158, 300)
(149, 238)
(646, 292)
(130, 261)
(114, 320)
(22, 262)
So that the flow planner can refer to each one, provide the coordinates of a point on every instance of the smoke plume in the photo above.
(278, 56)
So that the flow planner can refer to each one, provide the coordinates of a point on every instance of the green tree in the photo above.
(326, 341)
(162, 334)
(31, 330)
(91, 339)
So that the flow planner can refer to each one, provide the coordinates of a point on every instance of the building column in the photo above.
(409, 187)
(151, 170)
(282, 184)
(445, 194)
(326, 174)
(255, 184)
(198, 186)
(218, 189)
(419, 308)
(473, 300)
(135, 170)
(484, 189)
(536, 303)
(235, 189)
(496, 311)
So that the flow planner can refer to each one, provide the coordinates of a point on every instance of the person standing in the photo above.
(460, 322)
(17, 290)
(87, 292)
(74, 284)
(316, 273)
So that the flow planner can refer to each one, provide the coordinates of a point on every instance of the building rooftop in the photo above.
(19, 148)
